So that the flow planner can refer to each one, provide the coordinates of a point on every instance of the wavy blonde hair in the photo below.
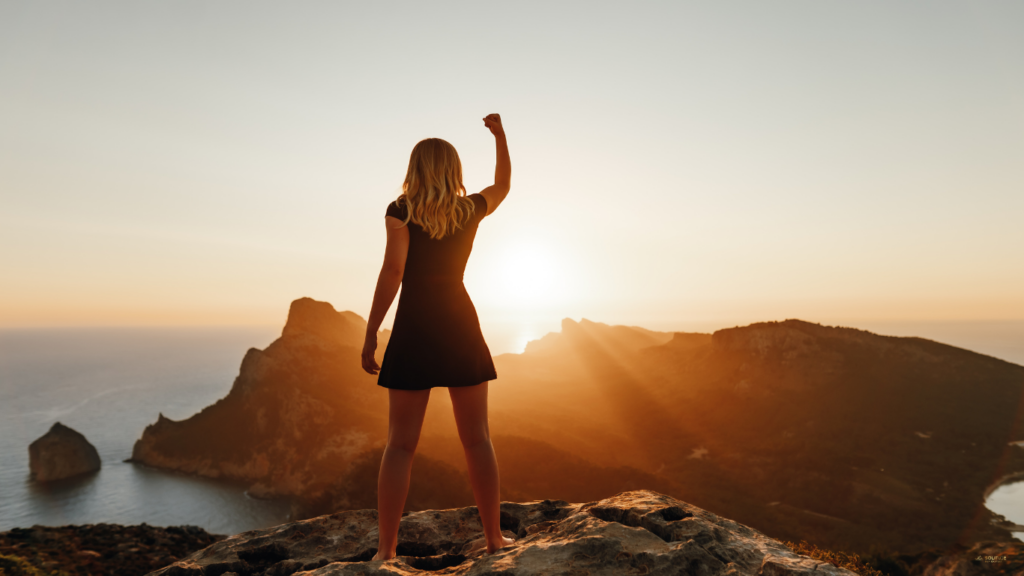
(433, 190)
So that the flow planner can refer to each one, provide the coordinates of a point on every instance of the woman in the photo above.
(436, 339)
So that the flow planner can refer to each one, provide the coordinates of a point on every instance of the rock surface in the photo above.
(108, 549)
(61, 453)
(635, 532)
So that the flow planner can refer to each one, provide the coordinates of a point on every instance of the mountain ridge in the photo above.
(861, 441)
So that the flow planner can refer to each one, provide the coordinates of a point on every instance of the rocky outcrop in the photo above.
(103, 548)
(61, 453)
(297, 415)
(635, 532)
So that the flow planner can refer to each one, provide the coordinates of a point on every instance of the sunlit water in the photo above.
(110, 383)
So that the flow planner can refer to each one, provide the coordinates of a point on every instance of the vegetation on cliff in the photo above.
(108, 549)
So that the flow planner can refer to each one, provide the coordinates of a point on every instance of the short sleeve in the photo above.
(395, 210)
(481, 205)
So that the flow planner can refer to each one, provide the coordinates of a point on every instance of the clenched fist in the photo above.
(493, 122)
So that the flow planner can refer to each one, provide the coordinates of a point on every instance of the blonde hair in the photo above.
(433, 192)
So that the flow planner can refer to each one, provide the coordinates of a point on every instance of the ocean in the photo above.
(109, 383)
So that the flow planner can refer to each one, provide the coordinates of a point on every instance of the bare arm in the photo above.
(497, 192)
(388, 281)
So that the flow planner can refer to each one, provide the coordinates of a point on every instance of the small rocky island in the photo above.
(61, 453)
(634, 532)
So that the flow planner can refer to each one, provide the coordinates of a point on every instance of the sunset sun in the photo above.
(528, 276)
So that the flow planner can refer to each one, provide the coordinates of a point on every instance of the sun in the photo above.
(522, 275)
(528, 274)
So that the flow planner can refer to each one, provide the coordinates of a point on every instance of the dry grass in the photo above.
(850, 562)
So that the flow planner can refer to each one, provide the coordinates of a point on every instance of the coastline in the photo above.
(1005, 479)
(1000, 520)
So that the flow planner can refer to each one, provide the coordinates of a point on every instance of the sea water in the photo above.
(109, 384)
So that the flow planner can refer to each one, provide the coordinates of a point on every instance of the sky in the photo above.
(673, 163)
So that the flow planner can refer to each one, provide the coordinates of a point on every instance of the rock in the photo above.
(61, 453)
(321, 321)
(639, 531)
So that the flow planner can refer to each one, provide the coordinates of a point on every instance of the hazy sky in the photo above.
(208, 162)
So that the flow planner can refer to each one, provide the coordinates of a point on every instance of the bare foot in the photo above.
(381, 556)
(491, 549)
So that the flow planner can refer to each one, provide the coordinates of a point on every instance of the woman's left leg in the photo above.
(405, 420)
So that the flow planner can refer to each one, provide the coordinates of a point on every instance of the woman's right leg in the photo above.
(470, 404)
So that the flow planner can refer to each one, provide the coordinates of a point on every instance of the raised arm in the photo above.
(496, 192)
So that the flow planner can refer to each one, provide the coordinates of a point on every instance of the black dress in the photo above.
(436, 339)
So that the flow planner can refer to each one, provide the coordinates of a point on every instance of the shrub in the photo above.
(850, 562)
(15, 566)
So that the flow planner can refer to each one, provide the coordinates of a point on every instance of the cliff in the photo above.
(637, 532)
(850, 440)
(297, 415)
(881, 442)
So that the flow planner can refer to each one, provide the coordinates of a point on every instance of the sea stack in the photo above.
(61, 453)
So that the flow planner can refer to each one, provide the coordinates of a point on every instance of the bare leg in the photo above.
(470, 404)
(405, 420)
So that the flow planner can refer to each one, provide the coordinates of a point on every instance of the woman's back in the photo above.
(439, 259)
(436, 338)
